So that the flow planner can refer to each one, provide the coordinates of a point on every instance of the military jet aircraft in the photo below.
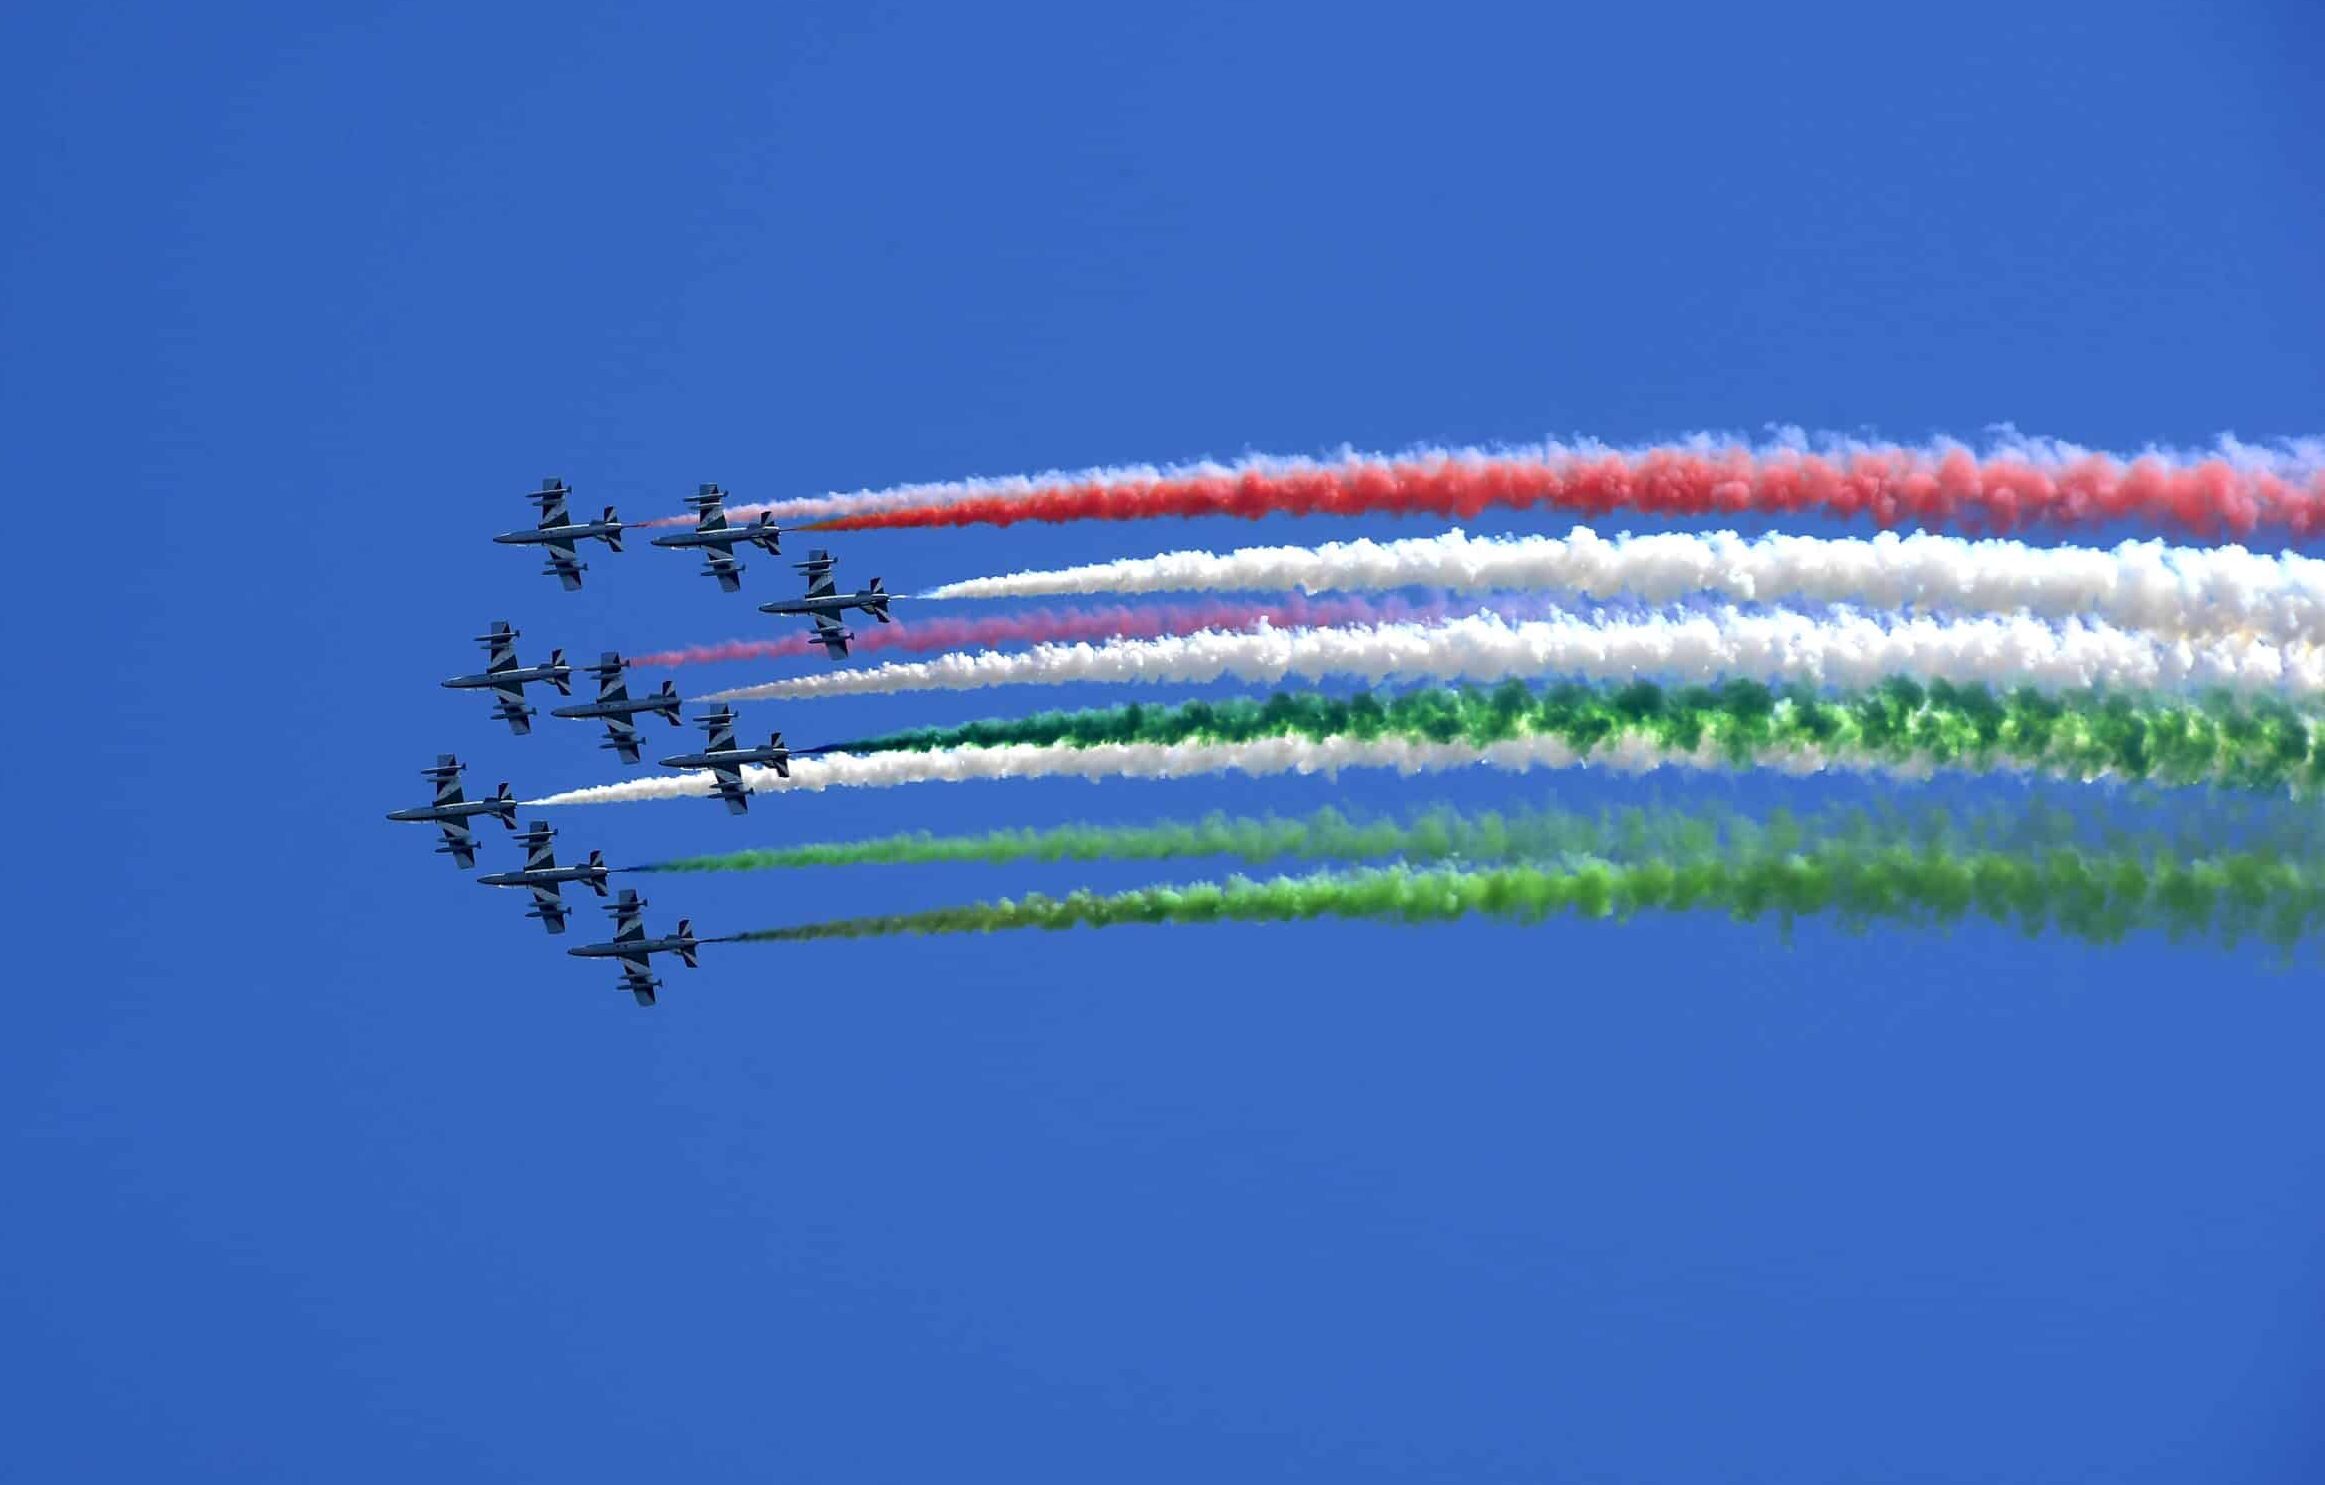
(726, 761)
(544, 876)
(718, 540)
(560, 533)
(616, 706)
(631, 946)
(825, 604)
(452, 812)
(507, 680)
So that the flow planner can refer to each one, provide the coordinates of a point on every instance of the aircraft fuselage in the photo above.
(493, 680)
(433, 813)
(736, 758)
(838, 603)
(636, 948)
(635, 706)
(544, 877)
(541, 536)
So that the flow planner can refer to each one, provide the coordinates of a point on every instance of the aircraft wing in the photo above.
(552, 503)
(549, 907)
(729, 783)
(638, 981)
(448, 791)
(540, 849)
(629, 921)
(565, 564)
(623, 738)
(501, 647)
(459, 842)
(820, 584)
(725, 568)
(512, 709)
(832, 635)
(713, 518)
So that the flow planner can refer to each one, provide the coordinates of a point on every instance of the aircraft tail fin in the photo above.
(613, 538)
(560, 675)
(686, 944)
(507, 806)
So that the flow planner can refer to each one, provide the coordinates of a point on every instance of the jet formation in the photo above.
(825, 604)
(506, 677)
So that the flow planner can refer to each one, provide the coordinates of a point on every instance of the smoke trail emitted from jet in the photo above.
(2167, 590)
(1630, 833)
(1898, 730)
(2097, 897)
(2264, 747)
(2233, 488)
(1070, 625)
(1846, 650)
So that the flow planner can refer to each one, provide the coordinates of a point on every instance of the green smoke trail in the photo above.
(1628, 833)
(2099, 897)
(2250, 744)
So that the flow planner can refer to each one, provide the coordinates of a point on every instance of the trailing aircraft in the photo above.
(544, 877)
(631, 946)
(560, 533)
(506, 679)
(717, 540)
(452, 812)
(616, 706)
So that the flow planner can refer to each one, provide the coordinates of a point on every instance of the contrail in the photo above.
(2261, 746)
(1053, 626)
(1844, 650)
(1630, 833)
(1898, 731)
(2173, 591)
(2232, 487)
(2098, 897)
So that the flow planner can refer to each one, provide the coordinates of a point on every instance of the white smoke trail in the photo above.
(2174, 591)
(1849, 650)
(2288, 458)
(1259, 758)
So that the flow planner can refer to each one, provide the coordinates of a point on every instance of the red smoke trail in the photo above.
(1893, 487)
(1066, 625)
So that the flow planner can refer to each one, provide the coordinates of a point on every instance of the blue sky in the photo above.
(324, 1163)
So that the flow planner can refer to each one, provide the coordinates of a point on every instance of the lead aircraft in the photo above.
(560, 533)
(452, 812)
(506, 679)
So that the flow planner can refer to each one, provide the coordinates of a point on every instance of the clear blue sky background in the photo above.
(322, 1163)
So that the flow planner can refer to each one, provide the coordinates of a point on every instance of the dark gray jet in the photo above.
(718, 540)
(615, 705)
(507, 680)
(560, 533)
(825, 604)
(453, 813)
(544, 876)
(726, 761)
(631, 946)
